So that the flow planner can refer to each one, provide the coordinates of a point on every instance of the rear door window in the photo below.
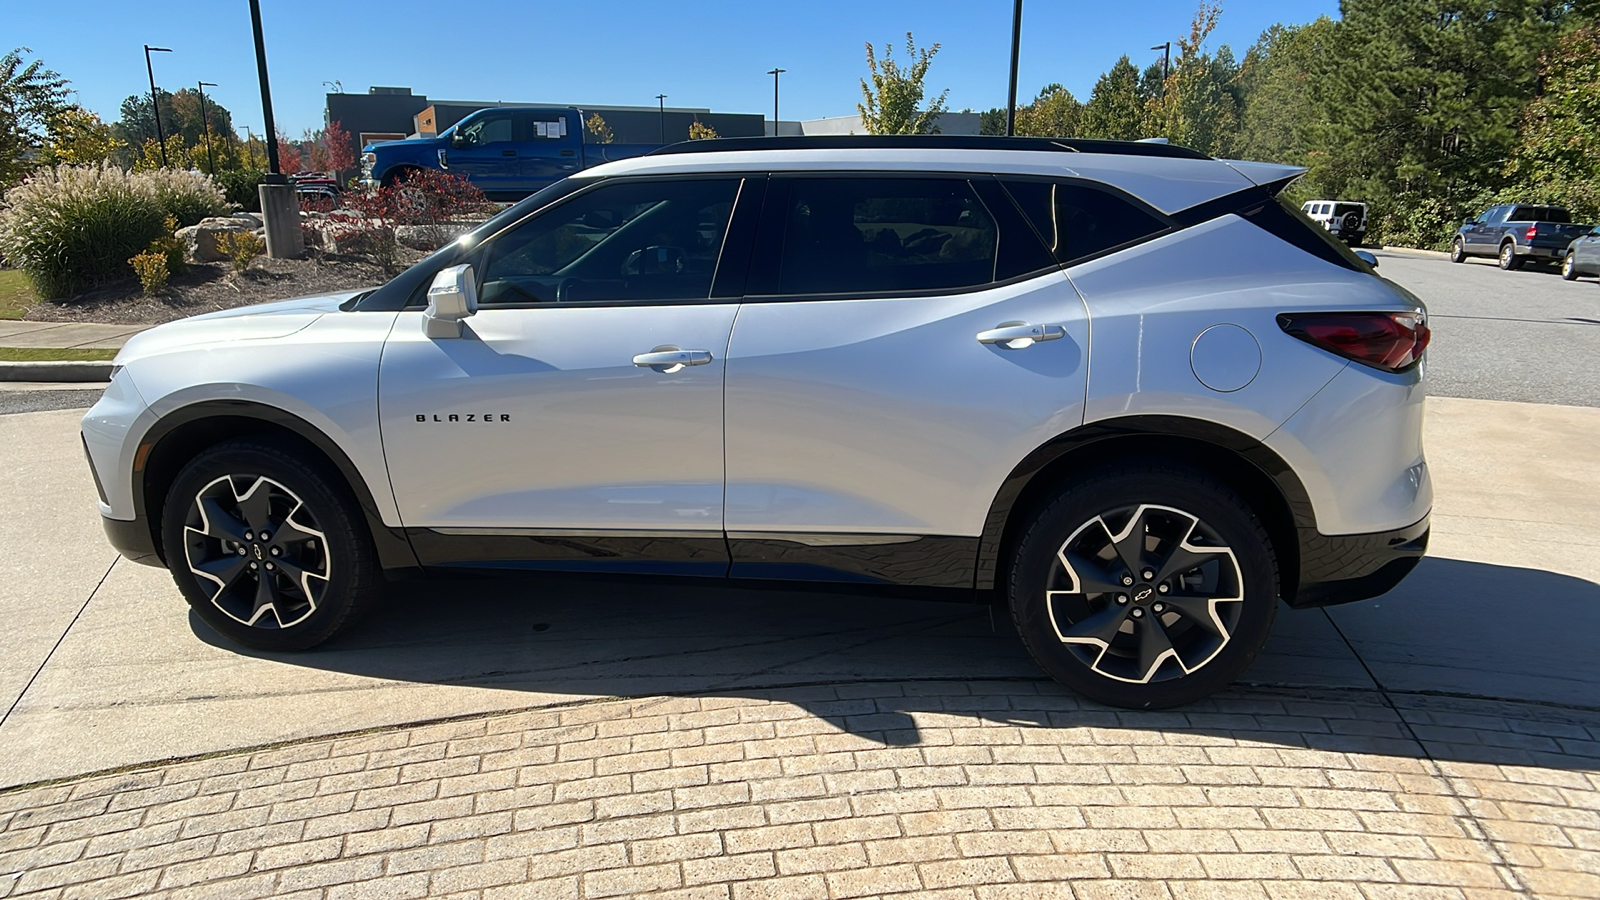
(1076, 221)
(883, 235)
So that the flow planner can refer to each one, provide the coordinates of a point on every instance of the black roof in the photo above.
(930, 142)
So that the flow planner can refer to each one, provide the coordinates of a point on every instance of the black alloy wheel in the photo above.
(267, 547)
(1144, 586)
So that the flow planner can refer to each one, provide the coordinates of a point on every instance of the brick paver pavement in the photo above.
(940, 789)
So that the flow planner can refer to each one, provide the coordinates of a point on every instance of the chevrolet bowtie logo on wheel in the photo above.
(1142, 595)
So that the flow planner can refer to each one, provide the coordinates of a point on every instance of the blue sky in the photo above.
(613, 52)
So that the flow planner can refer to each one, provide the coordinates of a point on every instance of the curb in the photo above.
(65, 370)
(1412, 251)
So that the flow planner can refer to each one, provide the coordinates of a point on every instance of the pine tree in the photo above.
(1115, 110)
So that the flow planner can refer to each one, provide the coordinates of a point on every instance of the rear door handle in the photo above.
(1017, 335)
(508, 153)
(669, 361)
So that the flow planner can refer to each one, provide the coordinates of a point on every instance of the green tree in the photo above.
(598, 129)
(1054, 113)
(1199, 105)
(1115, 110)
(1557, 154)
(992, 121)
(699, 131)
(893, 102)
(188, 121)
(30, 95)
(77, 136)
(138, 123)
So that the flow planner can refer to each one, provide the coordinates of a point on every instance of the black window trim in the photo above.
(474, 255)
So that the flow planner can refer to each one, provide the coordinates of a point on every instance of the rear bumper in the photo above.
(1542, 252)
(1344, 568)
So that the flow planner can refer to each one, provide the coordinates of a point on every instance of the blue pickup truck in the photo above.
(1515, 233)
(506, 151)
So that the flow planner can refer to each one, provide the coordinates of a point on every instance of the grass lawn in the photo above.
(16, 295)
(53, 354)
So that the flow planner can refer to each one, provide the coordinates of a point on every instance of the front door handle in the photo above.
(669, 360)
(1017, 335)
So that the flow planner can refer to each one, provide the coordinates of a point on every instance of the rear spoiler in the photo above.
(1271, 176)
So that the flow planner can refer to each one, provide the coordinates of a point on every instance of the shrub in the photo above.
(242, 248)
(170, 246)
(239, 187)
(151, 267)
(429, 198)
(75, 227)
(186, 196)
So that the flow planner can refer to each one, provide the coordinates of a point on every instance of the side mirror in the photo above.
(1367, 258)
(1469, 222)
(458, 140)
(452, 297)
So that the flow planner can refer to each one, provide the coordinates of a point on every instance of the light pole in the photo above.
(271, 137)
(205, 121)
(1166, 60)
(775, 73)
(280, 212)
(155, 102)
(1016, 50)
(662, 99)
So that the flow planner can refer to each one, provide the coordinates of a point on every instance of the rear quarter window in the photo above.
(1078, 222)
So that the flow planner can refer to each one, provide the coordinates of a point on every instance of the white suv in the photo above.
(1344, 219)
(1119, 388)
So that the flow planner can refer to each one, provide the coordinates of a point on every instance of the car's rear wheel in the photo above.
(267, 548)
(1458, 251)
(1509, 260)
(1144, 586)
(1569, 270)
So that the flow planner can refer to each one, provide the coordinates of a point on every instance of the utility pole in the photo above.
(775, 73)
(1016, 50)
(1166, 61)
(155, 102)
(662, 99)
(205, 120)
(280, 209)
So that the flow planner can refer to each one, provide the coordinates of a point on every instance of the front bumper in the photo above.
(133, 540)
(1344, 568)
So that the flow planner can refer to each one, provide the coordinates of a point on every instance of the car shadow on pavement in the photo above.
(1478, 690)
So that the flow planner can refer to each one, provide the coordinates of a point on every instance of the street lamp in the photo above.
(205, 121)
(662, 99)
(155, 102)
(1016, 50)
(775, 73)
(1166, 59)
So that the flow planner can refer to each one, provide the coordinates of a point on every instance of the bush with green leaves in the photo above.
(72, 228)
(151, 267)
(242, 247)
(241, 187)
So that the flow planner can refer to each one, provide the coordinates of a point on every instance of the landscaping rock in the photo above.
(202, 238)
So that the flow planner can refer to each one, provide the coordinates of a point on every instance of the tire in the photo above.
(1458, 251)
(1169, 637)
(214, 514)
(1569, 271)
(1509, 260)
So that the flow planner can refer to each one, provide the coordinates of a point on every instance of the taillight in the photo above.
(1391, 341)
(1532, 230)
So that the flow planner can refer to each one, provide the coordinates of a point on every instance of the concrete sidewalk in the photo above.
(70, 335)
(627, 738)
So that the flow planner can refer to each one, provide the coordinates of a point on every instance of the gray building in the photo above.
(391, 113)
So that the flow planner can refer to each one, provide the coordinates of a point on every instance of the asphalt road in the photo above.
(1525, 335)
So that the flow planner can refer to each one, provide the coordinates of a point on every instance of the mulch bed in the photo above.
(208, 287)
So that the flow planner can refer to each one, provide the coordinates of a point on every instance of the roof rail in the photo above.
(928, 142)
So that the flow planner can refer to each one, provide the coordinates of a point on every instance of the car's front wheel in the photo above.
(1569, 271)
(1144, 586)
(267, 547)
(1458, 251)
(1509, 259)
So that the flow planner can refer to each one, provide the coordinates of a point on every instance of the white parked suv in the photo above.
(1119, 388)
(1344, 219)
